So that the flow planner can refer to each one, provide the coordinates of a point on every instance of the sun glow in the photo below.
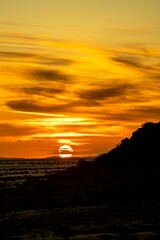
(65, 151)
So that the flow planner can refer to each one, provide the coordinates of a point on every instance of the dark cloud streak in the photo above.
(130, 61)
(49, 75)
(104, 93)
(35, 58)
(30, 106)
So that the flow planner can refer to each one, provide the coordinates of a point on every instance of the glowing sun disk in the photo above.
(65, 151)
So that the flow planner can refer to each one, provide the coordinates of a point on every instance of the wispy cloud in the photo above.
(104, 93)
(10, 56)
(48, 75)
(143, 59)
(130, 61)
(30, 106)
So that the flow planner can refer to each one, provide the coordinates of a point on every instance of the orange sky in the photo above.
(82, 73)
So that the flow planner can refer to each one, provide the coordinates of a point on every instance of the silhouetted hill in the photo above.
(141, 151)
(130, 170)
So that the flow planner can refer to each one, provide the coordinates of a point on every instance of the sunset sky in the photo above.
(85, 73)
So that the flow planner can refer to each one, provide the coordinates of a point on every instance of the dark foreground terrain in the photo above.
(113, 220)
(114, 197)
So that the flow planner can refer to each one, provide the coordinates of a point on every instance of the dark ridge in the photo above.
(140, 151)
(130, 171)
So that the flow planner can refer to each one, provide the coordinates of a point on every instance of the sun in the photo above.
(65, 151)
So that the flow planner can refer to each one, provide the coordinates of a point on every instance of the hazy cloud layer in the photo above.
(14, 130)
(144, 113)
(147, 111)
(43, 91)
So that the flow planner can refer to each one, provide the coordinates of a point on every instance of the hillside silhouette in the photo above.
(140, 151)
(134, 162)
(129, 171)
